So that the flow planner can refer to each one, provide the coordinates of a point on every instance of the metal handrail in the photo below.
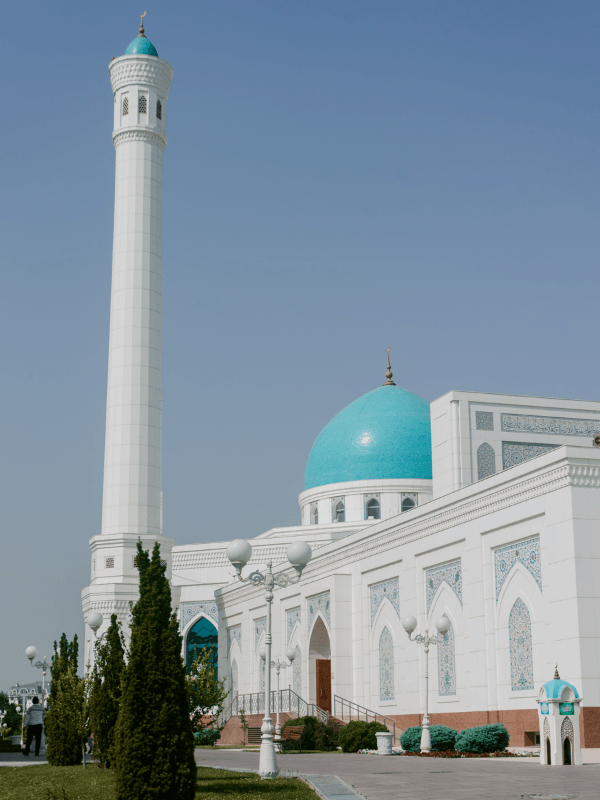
(356, 711)
(254, 703)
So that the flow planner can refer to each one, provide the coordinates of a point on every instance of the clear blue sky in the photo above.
(340, 176)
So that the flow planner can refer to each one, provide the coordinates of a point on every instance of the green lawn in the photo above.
(76, 783)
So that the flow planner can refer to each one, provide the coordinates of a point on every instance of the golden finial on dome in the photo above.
(556, 675)
(141, 33)
(388, 374)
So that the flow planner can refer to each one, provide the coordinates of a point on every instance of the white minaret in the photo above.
(132, 497)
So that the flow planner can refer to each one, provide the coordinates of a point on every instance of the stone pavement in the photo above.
(406, 778)
(19, 760)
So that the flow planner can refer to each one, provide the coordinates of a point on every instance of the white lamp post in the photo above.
(298, 554)
(31, 652)
(291, 654)
(443, 625)
(95, 620)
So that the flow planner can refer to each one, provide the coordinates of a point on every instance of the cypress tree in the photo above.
(65, 719)
(105, 691)
(155, 745)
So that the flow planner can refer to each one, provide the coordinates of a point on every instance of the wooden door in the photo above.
(323, 674)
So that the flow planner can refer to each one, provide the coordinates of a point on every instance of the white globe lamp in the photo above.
(239, 553)
(443, 624)
(409, 624)
(263, 653)
(299, 554)
(31, 653)
(290, 653)
(95, 620)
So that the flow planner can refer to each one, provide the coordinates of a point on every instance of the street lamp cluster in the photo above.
(298, 554)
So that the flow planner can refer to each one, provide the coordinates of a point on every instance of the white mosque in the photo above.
(483, 507)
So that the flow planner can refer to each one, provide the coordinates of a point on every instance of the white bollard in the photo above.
(384, 743)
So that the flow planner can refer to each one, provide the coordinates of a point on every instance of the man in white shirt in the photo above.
(34, 718)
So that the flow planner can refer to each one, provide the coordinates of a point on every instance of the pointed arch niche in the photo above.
(203, 633)
(319, 665)
(387, 690)
(446, 674)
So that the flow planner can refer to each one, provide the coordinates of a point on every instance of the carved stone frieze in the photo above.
(147, 70)
(140, 135)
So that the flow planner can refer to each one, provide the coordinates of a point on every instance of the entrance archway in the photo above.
(548, 755)
(202, 634)
(319, 662)
(567, 751)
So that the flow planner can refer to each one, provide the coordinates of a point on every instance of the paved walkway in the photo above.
(19, 760)
(406, 778)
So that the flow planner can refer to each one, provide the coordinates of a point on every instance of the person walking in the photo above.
(34, 719)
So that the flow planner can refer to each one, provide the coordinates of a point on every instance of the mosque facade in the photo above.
(482, 507)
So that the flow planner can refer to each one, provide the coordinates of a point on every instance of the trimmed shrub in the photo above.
(360, 735)
(308, 737)
(327, 735)
(484, 739)
(207, 736)
(300, 721)
(442, 738)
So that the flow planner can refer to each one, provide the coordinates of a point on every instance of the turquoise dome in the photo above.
(385, 434)
(141, 46)
(554, 688)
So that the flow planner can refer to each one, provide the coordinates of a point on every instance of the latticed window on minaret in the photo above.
(158, 109)
(125, 106)
(143, 104)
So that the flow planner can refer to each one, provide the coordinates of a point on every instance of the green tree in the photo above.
(206, 693)
(67, 707)
(105, 691)
(155, 744)
(12, 720)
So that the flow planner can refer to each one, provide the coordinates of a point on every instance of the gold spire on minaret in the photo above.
(141, 33)
(388, 374)
(556, 675)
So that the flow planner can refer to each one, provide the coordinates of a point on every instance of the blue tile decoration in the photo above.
(451, 574)
(293, 618)
(191, 610)
(386, 666)
(558, 426)
(514, 453)
(521, 650)
(297, 672)
(484, 420)
(447, 664)
(486, 461)
(260, 626)
(320, 602)
(141, 46)
(527, 552)
(384, 434)
(261, 675)
(234, 679)
(234, 633)
(378, 593)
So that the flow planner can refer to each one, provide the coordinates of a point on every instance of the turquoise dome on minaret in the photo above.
(141, 45)
(385, 434)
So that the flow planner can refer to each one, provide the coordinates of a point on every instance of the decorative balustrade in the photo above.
(286, 701)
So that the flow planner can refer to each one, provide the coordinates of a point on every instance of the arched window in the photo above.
(202, 634)
(314, 514)
(408, 503)
(339, 512)
(447, 664)
(143, 106)
(158, 109)
(234, 679)
(373, 509)
(297, 672)
(521, 650)
(486, 461)
(386, 666)
(125, 106)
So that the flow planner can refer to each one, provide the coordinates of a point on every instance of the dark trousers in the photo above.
(34, 730)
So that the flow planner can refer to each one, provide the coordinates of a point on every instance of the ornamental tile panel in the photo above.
(567, 732)
(514, 453)
(450, 574)
(521, 649)
(378, 593)
(260, 626)
(297, 672)
(386, 666)
(234, 634)
(261, 676)
(293, 617)
(486, 461)
(320, 602)
(526, 552)
(447, 664)
(484, 420)
(558, 426)
(234, 679)
(191, 610)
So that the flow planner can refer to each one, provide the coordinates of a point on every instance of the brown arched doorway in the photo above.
(319, 660)
(567, 752)
(548, 756)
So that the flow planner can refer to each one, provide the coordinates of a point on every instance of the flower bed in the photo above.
(453, 754)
